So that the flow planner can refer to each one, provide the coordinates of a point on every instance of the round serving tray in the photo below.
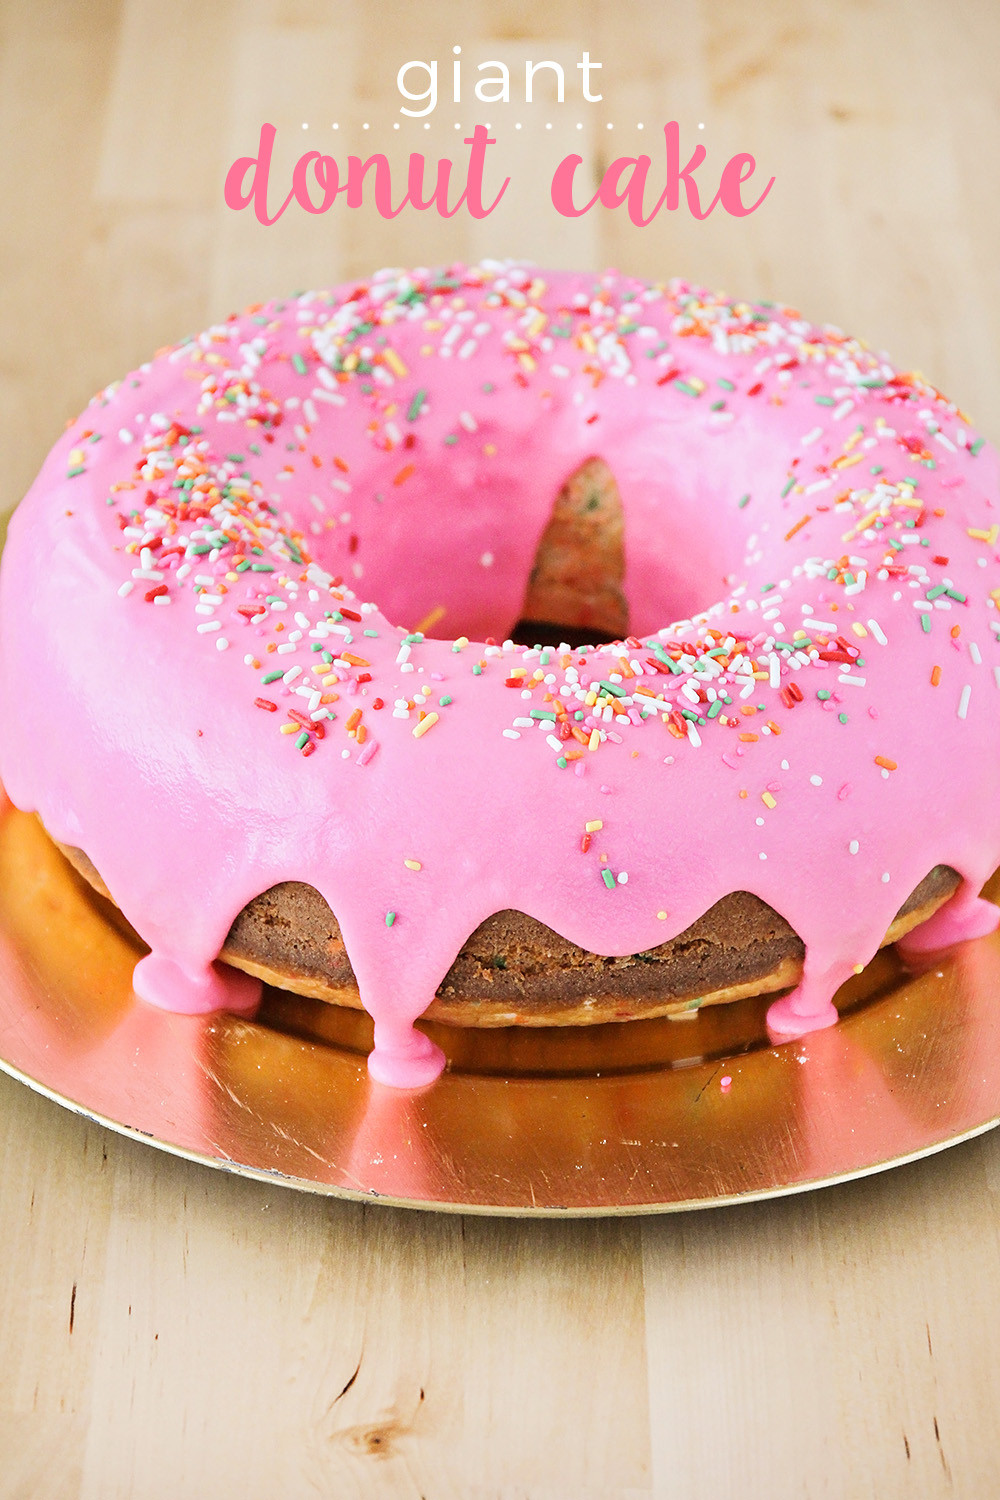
(648, 1116)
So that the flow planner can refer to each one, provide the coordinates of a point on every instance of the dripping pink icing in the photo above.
(410, 435)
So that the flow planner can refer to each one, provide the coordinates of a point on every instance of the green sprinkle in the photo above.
(824, 401)
(842, 718)
(390, 917)
(877, 469)
(562, 762)
(715, 708)
(975, 447)
(872, 382)
(72, 473)
(689, 390)
(717, 405)
(477, 670)
(242, 566)
(451, 440)
(302, 741)
(612, 688)
(743, 502)
(413, 638)
(823, 694)
(301, 368)
(260, 567)
(539, 713)
(727, 385)
(443, 702)
(955, 594)
(937, 591)
(372, 633)
(609, 879)
(419, 397)
(271, 677)
(789, 482)
(925, 622)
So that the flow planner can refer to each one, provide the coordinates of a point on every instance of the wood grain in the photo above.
(168, 1331)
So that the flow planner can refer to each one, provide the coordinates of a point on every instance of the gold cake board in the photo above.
(650, 1116)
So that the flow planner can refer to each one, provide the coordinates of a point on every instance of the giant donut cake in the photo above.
(202, 708)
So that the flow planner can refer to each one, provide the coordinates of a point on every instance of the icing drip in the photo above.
(196, 691)
(163, 983)
(964, 917)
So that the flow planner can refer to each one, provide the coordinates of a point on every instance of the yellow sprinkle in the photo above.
(413, 864)
(595, 826)
(330, 680)
(767, 799)
(430, 619)
(462, 642)
(424, 725)
(595, 739)
(290, 728)
(489, 449)
(990, 537)
(662, 916)
(859, 968)
(845, 463)
(394, 362)
(858, 628)
(590, 699)
(75, 457)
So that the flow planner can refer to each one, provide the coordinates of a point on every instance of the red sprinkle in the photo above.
(272, 708)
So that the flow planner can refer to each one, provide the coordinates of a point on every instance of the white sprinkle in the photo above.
(762, 856)
(693, 734)
(854, 846)
(127, 587)
(222, 644)
(974, 652)
(963, 702)
(486, 561)
(291, 674)
(511, 734)
(878, 632)
(842, 410)
(885, 878)
(996, 676)
(852, 681)
(816, 780)
(623, 877)
(162, 599)
(811, 436)
(774, 665)
(125, 435)
(468, 421)
(209, 625)
(556, 745)
(818, 625)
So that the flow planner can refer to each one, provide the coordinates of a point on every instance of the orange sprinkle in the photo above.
(956, 631)
(355, 661)
(749, 737)
(797, 527)
(404, 473)
(935, 676)
(887, 765)
(361, 734)
(354, 720)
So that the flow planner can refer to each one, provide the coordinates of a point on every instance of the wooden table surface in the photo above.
(168, 1331)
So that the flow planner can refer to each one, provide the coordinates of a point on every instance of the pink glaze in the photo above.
(410, 434)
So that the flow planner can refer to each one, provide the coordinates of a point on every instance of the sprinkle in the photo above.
(975, 447)
(797, 527)
(413, 864)
(935, 676)
(609, 879)
(426, 723)
(661, 916)
(302, 740)
(390, 917)
(126, 589)
(266, 703)
(623, 877)
(963, 702)
(300, 365)
(595, 739)
(725, 1083)
(767, 799)
(419, 397)
(853, 846)
(271, 677)
(885, 763)
(877, 632)
(595, 826)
